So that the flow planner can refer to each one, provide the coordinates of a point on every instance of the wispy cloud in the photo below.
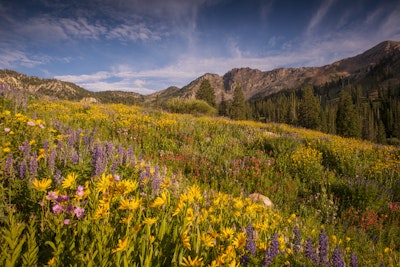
(9, 58)
(81, 28)
(319, 15)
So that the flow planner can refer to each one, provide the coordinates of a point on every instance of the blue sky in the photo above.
(148, 45)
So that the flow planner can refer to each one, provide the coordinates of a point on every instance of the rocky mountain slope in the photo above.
(262, 83)
(254, 83)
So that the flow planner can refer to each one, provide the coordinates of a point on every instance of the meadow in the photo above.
(115, 185)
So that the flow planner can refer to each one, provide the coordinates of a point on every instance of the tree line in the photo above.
(350, 110)
(370, 112)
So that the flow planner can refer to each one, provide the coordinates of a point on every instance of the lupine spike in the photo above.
(337, 259)
(353, 260)
(323, 248)
(272, 252)
(250, 244)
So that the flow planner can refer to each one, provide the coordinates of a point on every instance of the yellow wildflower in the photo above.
(189, 262)
(6, 150)
(101, 211)
(186, 240)
(208, 240)
(150, 221)
(262, 246)
(69, 181)
(160, 201)
(51, 261)
(42, 185)
(104, 183)
(387, 250)
(179, 207)
(281, 241)
(121, 245)
(194, 193)
(240, 240)
(238, 203)
(127, 186)
(165, 183)
(227, 232)
(130, 204)
(152, 238)
(333, 239)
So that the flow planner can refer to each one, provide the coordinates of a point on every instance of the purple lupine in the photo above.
(297, 239)
(71, 138)
(26, 149)
(51, 162)
(353, 260)
(323, 248)
(33, 165)
(59, 144)
(57, 209)
(114, 166)
(244, 260)
(98, 160)
(121, 155)
(75, 158)
(109, 149)
(46, 145)
(130, 156)
(22, 169)
(309, 251)
(272, 252)
(79, 212)
(86, 140)
(9, 165)
(156, 180)
(98, 167)
(250, 244)
(337, 259)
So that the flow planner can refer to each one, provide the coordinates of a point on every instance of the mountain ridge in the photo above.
(254, 82)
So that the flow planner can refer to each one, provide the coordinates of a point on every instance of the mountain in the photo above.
(256, 83)
(64, 90)
(382, 61)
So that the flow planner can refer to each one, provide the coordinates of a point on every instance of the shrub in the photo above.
(190, 106)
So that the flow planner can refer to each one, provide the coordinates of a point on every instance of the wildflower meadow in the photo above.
(115, 185)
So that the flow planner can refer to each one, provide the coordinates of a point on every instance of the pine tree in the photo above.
(206, 93)
(310, 110)
(238, 105)
(347, 120)
(223, 106)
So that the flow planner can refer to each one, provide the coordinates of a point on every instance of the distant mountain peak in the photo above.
(253, 82)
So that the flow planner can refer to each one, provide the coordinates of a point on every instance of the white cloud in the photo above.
(319, 15)
(133, 32)
(10, 58)
(81, 28)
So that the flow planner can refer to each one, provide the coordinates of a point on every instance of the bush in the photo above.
(189, 106)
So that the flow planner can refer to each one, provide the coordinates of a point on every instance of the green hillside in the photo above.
(115, 185)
